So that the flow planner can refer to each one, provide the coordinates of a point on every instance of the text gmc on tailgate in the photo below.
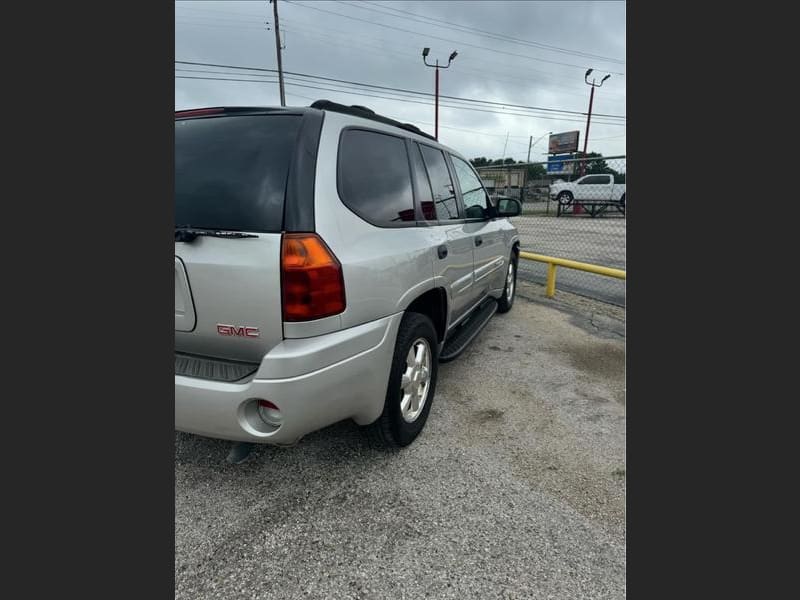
(238, 331)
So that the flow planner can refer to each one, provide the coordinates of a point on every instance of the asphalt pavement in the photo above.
(600, 241)
(515, 489)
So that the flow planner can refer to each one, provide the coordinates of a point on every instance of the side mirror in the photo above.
(508, 207)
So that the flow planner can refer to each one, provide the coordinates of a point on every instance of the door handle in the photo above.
(478, 240)
(442, 251)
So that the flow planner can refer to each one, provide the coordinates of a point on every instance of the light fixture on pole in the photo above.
(593, 85)
(531, 143)
(425, 52)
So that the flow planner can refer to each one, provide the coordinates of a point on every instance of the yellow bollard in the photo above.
(550, 291)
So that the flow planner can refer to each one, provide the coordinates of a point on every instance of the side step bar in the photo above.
(458, 341)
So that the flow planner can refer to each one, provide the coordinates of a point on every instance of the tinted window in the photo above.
(471, 189)
(595, 179)
(374, 177)
(423, 185)
(443, 192)
(230, 172)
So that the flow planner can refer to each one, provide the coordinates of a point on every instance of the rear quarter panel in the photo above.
(384, 269)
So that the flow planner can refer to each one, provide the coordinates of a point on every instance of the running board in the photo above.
(458, 341)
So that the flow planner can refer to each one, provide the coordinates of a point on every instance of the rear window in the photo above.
(374, 177)
(230, 172)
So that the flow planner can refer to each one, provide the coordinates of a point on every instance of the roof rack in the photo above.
(367, 113)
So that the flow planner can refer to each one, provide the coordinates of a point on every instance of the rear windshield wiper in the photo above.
(187, 233)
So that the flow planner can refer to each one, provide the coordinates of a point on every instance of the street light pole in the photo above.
(576, 209)
(425, 52)
(436, 111)
(531, 143)
(593, 85)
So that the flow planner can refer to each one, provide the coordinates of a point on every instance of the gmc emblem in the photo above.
(251, 332)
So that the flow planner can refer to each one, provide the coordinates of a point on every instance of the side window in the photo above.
(444, 196)
(374, 177)
(595, 179)
(471, 190)
(423, 184)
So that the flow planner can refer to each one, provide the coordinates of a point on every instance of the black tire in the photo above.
(391, 430)
(506, 301)
(622, 200)
(564, 198)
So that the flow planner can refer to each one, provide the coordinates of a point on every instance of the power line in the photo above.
(404, 95)
(224, 12)
(361, 93)
(220, 26)
(346, 87)
(465, 29)
(215, 18)
(329, 33)
(393, 89)
(380, 45)
(462, 43)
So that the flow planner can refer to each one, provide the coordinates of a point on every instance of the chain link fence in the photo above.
(575, 211)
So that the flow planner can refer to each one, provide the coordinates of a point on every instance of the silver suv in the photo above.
(326, 260)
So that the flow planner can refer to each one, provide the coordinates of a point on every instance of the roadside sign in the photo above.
(564, 142)
(557, 166)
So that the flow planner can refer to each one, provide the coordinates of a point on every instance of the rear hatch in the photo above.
(230, 176)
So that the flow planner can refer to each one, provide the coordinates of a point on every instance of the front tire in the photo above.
(412, 384)
(564, 198)
(510, 290)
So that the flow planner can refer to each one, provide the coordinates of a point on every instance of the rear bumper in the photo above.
(315, 382)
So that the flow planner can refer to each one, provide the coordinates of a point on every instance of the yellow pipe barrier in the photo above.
(553, 262)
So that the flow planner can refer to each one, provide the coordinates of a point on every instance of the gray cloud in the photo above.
(331, 45)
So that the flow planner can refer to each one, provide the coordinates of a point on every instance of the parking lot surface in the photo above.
(599, 241)
(515, 489)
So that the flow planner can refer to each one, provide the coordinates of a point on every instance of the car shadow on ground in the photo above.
(335, 444)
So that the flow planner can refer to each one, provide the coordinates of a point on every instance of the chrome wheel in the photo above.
(416, 380)
(510, 282)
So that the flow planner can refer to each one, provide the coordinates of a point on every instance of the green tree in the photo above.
(597, 166)
(536, 172)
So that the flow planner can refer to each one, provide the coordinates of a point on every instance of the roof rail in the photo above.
(367, 113)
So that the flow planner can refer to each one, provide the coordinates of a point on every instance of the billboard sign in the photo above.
(561, 143)
(557, 166)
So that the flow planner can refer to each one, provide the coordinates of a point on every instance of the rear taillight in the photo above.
(311, 278)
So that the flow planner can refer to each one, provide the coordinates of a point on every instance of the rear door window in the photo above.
(444, 196)
(230, 172)
(375, 177)
(423, 184)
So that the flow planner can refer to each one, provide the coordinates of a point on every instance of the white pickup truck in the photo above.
(589, 188)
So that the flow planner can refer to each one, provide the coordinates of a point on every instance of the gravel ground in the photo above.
(515, 489)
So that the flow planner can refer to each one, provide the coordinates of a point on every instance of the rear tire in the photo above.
(506, 301)
(412, 384)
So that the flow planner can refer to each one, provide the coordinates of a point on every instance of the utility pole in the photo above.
(425, 52)
(530, 143)
(278, 50)
(593, 85)
(577, 208)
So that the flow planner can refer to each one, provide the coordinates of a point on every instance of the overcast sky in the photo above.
(321, 40)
